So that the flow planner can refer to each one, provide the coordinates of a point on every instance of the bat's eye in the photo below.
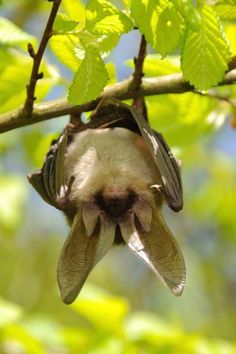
(114, 205)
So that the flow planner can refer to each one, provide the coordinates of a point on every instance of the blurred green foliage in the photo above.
(109, 327)
(126, 310)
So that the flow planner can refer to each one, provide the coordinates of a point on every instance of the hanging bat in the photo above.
(110, 178)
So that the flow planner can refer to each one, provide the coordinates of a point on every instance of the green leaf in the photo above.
(169, 31)
(66, 49)
(75, 10)
(89, 80)
(146, 14)
(103, 43)
(226, 9)
(12, 35)
(206, 52)
(188, 12)
(104, 18)
(64, 24)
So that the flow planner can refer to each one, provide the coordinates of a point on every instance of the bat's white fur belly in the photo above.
(112, 160)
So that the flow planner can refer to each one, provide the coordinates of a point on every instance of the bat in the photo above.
(110, 177)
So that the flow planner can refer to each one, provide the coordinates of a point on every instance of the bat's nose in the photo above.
(115, 205)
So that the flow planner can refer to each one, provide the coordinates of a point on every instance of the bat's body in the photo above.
(114, 172)
(108, 183)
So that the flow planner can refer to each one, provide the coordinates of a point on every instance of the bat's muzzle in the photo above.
(115, 206)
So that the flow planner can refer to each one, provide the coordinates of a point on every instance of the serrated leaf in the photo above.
(12, 35)
(75, 10)
(63, 24)
(106, 43)
(65, 49)
(103, 18)
(206, 52)
(188, 12)
(102, 43)
(89, 80)
(169, 31)
(226, 9)
(146, 14)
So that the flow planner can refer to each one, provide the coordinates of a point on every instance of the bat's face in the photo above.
(111, 183)
(114, 172)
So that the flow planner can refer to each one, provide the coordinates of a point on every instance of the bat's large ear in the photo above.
(159, 250)
(49, 181)
(165, 161)
(80, 254)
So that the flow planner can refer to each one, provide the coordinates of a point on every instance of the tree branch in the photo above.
(173, 83)
(37, 57)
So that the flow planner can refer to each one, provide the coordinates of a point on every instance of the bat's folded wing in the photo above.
(165, 161)
(49, 181)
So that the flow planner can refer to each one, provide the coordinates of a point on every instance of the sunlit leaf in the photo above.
(169, 31)
(65, 49)
(75, 10)
(89, 80)
(146, 14)
(12, 35)
(226, 9)
(206, 52)
(102, 18)
(64, 24)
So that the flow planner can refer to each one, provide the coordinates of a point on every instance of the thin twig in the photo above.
(173, 83)
(138, 65)
(37, 57)
(139, 101)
